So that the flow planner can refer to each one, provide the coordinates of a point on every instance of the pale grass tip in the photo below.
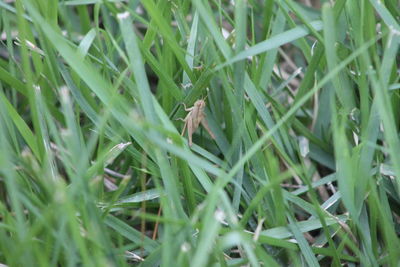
(122, 146)
(64, 92)
(219, 215)
(185, 247)
(123, 15)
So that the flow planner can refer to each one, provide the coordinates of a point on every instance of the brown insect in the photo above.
(193, 119)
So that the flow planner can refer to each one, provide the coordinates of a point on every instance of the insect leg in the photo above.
(184, 128)
(190, 129)
(187, 109)
(186, 122)
(205, 125)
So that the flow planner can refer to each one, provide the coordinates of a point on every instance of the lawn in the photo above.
(199, 133)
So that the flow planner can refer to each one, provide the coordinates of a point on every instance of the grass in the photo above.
(302, 97)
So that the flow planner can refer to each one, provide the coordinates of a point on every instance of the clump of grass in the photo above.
(302, 97)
